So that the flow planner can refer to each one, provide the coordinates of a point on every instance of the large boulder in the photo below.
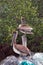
(10, 60)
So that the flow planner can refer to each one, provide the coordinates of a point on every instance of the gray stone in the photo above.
(36, 58)
(10, 60)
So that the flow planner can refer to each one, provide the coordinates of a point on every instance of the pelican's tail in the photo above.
(30, 54)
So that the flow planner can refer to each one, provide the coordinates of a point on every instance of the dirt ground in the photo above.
(6, 50)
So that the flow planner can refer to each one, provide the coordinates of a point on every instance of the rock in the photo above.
(38, 58)
(10, 60)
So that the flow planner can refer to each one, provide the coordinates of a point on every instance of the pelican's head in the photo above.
(22, 18)
(15, 34)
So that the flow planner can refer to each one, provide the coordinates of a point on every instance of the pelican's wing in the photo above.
(22, 49)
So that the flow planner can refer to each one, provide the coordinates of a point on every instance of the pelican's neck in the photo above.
(13, 40)
(15, 49)
(24, 40)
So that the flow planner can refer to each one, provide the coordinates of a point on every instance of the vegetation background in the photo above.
(10, 14)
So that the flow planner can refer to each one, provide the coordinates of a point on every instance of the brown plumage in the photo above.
(22, 48)
(17, 48)
(25, 29)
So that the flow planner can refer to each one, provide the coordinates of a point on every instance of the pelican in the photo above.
(18, 48)
(25, 29)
